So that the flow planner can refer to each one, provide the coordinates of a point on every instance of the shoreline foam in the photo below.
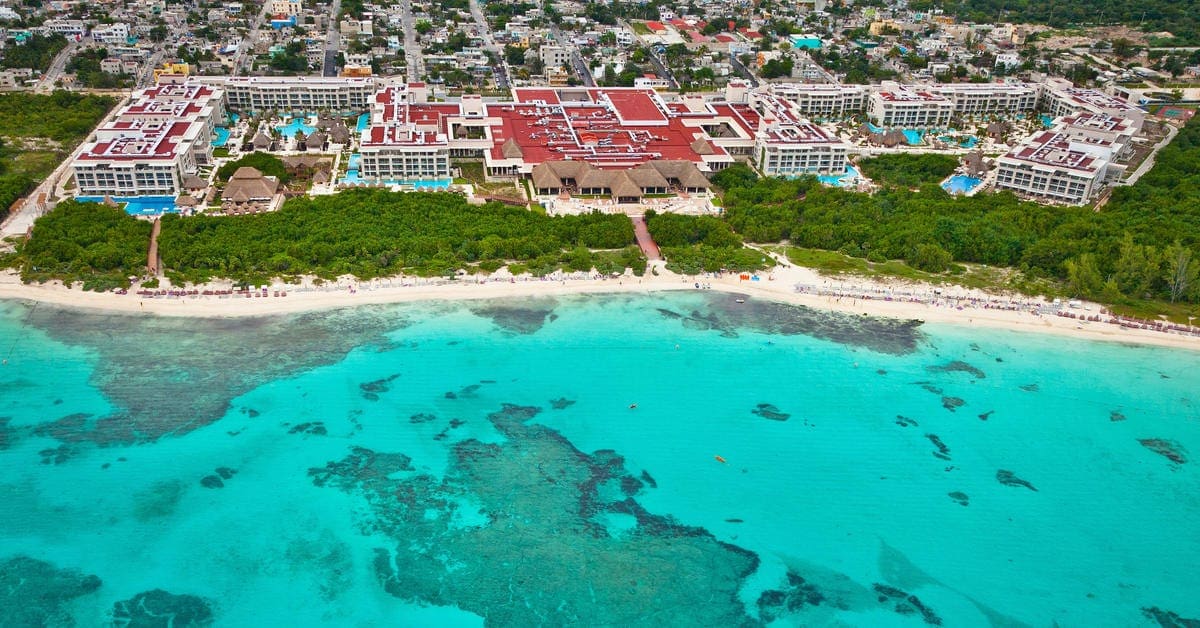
(778, 285)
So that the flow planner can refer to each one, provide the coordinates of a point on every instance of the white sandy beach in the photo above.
(779, 284)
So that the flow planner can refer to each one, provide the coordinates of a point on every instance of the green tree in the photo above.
(1083, 276)
(1137, 268)
(1181, 271)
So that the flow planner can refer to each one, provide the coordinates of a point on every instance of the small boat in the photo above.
(719, 459)
(741, 300)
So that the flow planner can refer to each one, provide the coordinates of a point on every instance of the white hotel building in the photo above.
(822, 101)
(788, 145)
(403, 143)
(988, 98)
(162, 136)
(897, 106)
(1054, 167)
(285, 94)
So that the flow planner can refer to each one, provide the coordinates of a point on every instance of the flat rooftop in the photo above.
(1054, 150)
(138, 141)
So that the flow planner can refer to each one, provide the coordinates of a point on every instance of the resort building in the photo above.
(823, 101)
(988, 98)
(406, 138)
(1062, 98)
(281, 93)
(152, 144)
(1054, 167)
(623, 186)
(896, 106)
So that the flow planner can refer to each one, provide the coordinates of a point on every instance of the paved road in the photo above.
(248, 41)
(581, 68)
(414, 57)
(46, 83)
(500, 68)
(332, 41)
(742, 71)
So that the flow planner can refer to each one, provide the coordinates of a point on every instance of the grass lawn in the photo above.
(640, 28)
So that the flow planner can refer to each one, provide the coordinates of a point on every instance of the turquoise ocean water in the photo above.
(670, 460)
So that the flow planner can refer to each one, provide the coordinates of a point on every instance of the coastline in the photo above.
(779, 284)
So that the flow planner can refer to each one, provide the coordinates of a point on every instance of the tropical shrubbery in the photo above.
(375, 233)
(908, 171)
(64, 117)
(267, 164)
(693, 244)
(1143, 244)
(97, 245)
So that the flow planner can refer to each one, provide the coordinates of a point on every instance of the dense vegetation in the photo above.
(374, 233)
(267, 164)
(36, 53)
(1180, 17)
(63, 117)
(66, 117)
(1143, 244)
(86, 66)
(95, 244)
(693, 244)
(908, 171)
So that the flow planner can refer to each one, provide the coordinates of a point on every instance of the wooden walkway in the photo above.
(152, 255)
(645, 242)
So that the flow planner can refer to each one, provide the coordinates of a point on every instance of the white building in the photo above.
(402, 143)
(985, 98)
(823, 100)
(163, 134)
(1054, 167)
(896, 106)
(786, 144)
(65, 27)
(554, 56)
(111, 33)
(312, 93)
(1061, 98)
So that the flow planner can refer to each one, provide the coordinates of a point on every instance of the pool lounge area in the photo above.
(294, 125)
(962, 185)
(222, 136)
(428, 185)
(138, 205)
(850, 178)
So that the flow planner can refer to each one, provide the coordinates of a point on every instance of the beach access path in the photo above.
(784, 283)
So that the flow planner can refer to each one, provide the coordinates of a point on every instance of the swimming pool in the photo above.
(363, 121)
(296, 124)
(138, 205)
(961, 184)
(222, 136)
(1047, 120)
(913, 136)
(846, 179)
(874, 129)
(233, 118)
